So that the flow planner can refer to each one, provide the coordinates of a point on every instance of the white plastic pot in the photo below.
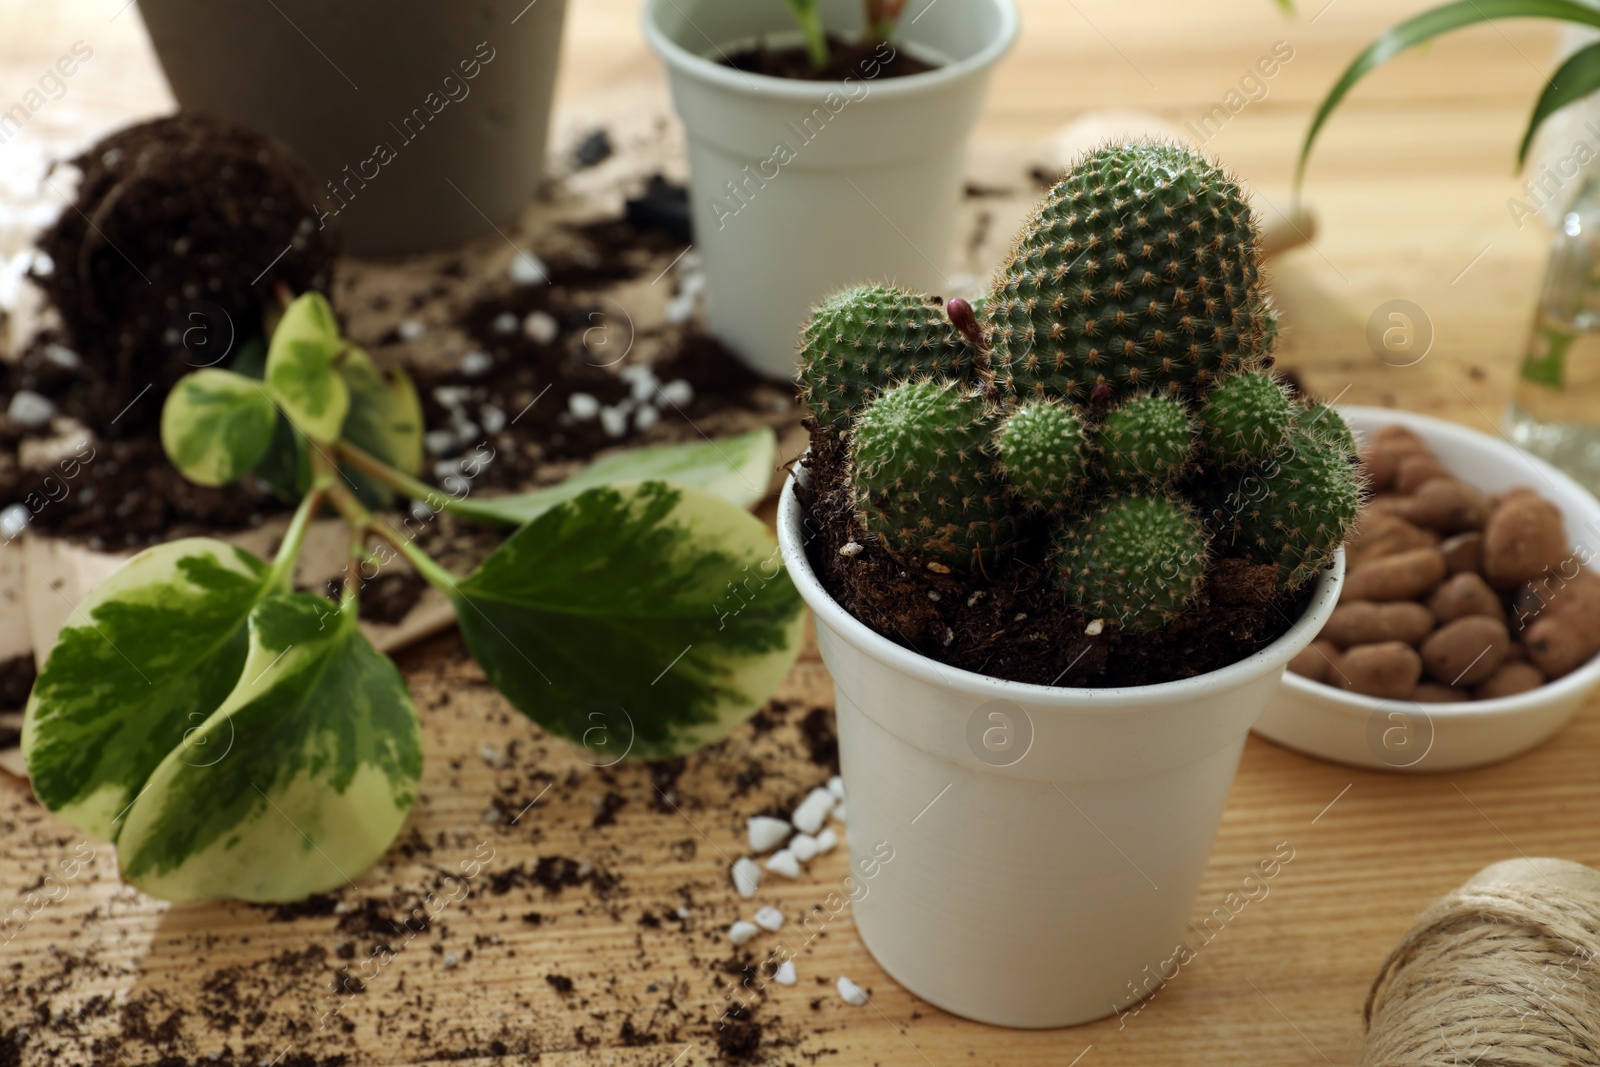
(1046, 843)
(801, 188)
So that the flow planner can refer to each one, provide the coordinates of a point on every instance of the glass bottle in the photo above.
(1555, 406)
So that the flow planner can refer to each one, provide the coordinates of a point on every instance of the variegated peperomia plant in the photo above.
(236, 738)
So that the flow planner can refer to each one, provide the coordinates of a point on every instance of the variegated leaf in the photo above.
(385, 420)
(735, 468)
(216, 425)
(649, 618)
(145, 658)
(300, 373)
(297, 783)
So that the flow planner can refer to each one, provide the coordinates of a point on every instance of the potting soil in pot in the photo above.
(1015, 625)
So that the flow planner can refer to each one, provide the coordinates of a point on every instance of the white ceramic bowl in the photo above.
(1405, 735)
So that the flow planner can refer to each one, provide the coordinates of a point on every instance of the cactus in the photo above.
(1293, 508)
(1327, 426)
(1244, 418)
(1146, 442)
(1111, 394)
(863, 340)
(924, 476)
(1137, 561)
(1139, 272)
(1042, 451)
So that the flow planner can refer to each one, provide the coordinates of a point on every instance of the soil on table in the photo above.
(181, 232)
(847, 59)
(1016, 625)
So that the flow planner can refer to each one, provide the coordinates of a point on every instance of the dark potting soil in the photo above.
(16, 682)
(1016, 625)
(846, 59)
(123, 493)
(183, 228)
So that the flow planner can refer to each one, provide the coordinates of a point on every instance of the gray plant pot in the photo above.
(409, 152)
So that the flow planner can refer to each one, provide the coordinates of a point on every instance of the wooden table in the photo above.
(1411, 184)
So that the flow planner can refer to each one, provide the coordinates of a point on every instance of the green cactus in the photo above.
(1327, 425)
(1293, 508)
(1043, 450)
(863, 340)
(924, 477)
(1139, 273)
(1136, 562)
(1146, 442)
(1111, 396)
(1246, 417)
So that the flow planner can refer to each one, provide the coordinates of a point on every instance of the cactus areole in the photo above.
(1099, 437)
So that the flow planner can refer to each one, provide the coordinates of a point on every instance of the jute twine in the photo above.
(1504, 972)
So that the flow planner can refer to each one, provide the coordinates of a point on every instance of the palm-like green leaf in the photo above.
(1425, 27)
(1577, 77)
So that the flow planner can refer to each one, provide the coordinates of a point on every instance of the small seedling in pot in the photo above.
(1106, 416)
(238, 739)
(882, 16)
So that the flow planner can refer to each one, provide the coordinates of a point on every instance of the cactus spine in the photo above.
(924, 476)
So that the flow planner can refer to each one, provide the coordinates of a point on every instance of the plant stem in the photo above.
(282, 574)
(810, 21)
(435, 574)
(359, 518)
(416, 489)
(882, 15)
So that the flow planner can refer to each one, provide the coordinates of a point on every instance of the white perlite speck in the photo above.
(583, 406)
(741, 932)
(410, 330)
(614, 421)
(852, 994)
(678, 392)
(504, 323)
(475, 363)
(826, 841)
(850, 549)
(785, 974)
(13, 520)
(541, 327)
(769, 919)
(746, 876)
(528, 269)
(784, 863)
(30, 409)
(813, 811)
(767, 833)
(836, 786)
(804, 847)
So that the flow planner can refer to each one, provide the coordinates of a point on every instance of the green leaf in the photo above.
(642, 620)
(147, 656)
(809, 19)
(385, 420)
(297, 783)
(1425, 27)
(385, 415)
(216, 425)
(736, 469)
(300, 373)
(1576, 78)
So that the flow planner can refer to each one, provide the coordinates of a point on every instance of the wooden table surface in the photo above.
(1411, 186)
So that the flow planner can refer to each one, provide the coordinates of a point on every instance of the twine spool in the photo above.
(1503, 972)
